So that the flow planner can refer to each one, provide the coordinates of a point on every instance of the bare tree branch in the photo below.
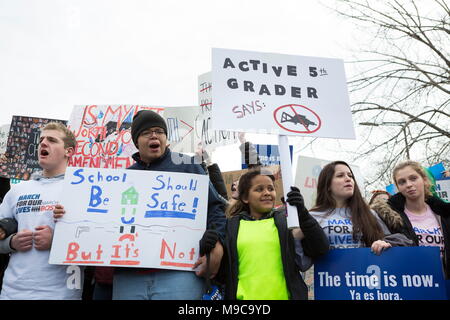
(401, 80)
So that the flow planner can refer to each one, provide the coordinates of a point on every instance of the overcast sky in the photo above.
(56, 54)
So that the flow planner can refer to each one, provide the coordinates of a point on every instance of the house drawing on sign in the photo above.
(130, 196)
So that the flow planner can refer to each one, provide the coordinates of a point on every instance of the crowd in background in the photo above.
(247, 252)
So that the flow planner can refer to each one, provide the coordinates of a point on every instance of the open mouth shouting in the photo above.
(154, 146)
(43, 153)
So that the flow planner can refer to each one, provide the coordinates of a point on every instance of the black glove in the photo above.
(8, 225)
(295, 198)
(208, 242)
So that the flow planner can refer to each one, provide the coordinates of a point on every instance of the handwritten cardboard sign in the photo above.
(205, 134)
(399, 273)
(131, 218)
(21, 157)
(281, 94)
(103, 133)
(181, 128)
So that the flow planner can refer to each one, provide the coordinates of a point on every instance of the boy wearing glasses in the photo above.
(149, 133)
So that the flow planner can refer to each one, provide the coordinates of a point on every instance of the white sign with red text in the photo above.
(103, 133)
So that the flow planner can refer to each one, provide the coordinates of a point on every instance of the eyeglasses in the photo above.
(149, 133)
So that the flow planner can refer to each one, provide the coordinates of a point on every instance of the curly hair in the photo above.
(417, 168)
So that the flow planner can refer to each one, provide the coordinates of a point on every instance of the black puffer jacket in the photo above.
(315, 244)
(439, 207)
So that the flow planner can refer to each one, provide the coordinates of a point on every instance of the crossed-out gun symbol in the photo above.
(297, 119)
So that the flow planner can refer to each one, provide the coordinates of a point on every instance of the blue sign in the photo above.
(437, 171)
(268, 155)
(399, 273)
(392, 189)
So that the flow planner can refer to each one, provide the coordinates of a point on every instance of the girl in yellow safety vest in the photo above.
(263, 257)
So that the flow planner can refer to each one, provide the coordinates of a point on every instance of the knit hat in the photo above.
(144, 120)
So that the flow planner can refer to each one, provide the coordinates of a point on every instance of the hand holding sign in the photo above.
(58, 212)
(214, 262)
(380, 245)
(42, 237)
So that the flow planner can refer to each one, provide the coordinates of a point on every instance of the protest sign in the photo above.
(399, 273)
(103, 135)
(205, 134)
(130, 218)
(21, 156)
(268, 155)
(180, 126)
(280, 94)
(391, 189)
(443, 189)
(283, 94)
(437, 171)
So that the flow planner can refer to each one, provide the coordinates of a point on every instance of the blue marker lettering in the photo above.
(153, 197)
(77, 173)
(162, 183)
(95, 200)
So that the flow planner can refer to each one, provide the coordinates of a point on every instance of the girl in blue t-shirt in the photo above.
(344, 215)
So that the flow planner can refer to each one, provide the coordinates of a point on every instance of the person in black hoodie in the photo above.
(426, 218)
(263, 257)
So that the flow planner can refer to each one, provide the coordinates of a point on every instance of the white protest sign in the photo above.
(443, 189)
(205, 134)
(307, 176)
(282, 94)
(103, 133)
(180, 128)
(130, 218)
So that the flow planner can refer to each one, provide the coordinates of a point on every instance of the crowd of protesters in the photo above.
(247, 249)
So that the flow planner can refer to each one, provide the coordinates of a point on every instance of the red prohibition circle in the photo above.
(291, 106)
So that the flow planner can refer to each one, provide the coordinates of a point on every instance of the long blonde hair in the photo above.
(417, 168)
